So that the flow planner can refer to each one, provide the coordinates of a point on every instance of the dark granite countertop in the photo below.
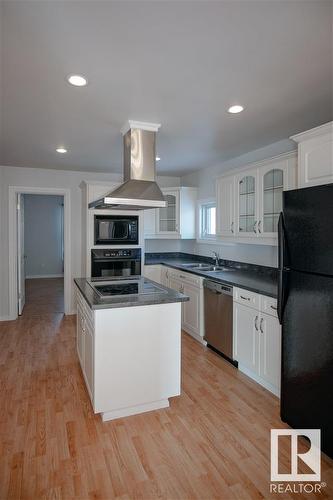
(259, 279)
(162, 296)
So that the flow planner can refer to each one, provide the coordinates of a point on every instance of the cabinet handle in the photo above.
(167, 274)
(181, 276)
(259, 226)
(255, 227)
(232, 227)
(256, 323)
(274, 308)
(244, 298)
(261, 322)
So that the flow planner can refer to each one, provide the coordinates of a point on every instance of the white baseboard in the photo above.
(7, 318)
(35, 276)
(134, 410)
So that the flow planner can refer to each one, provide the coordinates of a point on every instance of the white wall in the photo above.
(204, 180)
(47, 178)
(43, 235)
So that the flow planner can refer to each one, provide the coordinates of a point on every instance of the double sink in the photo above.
(203, 267)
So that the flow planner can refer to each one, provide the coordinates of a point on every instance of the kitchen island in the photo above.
(128, 344)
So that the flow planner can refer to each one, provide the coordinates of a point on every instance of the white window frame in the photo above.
(200, 235)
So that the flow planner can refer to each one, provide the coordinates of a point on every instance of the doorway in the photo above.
(48, 288)
(40, 253)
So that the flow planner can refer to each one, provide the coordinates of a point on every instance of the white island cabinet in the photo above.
(130, 356)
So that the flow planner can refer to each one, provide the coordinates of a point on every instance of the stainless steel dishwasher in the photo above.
(218, 305)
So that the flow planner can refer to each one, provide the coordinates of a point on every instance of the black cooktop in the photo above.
(118, 287)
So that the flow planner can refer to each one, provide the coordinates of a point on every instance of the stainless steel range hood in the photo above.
(139, 190)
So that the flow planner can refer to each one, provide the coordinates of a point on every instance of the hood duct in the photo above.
(139, 190)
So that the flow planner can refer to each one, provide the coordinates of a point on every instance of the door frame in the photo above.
(13, 250)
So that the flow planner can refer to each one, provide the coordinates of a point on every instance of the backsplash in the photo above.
(262, 255)
(151, 257)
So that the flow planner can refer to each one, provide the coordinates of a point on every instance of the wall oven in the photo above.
(115, 262)
(116, 229)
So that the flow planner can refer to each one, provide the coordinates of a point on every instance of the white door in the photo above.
(246, 206)
(270, 350)
(168, 217)
(191, 309)
(20, 253)
(246, 337)
(225, 196)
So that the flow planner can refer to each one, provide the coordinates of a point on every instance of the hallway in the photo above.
(43, 296)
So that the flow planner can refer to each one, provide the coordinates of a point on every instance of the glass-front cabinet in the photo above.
(246, 204)
(258, 197)
(273, 184)
(168, 217)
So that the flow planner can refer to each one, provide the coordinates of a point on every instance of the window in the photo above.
(208, 220)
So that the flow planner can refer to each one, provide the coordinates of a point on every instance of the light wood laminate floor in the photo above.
(212, 443)
(43, 295)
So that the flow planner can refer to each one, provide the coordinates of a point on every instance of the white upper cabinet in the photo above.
(168, 217)
(250, 201)
(315, 156)
(225, 206)
(246, 185)
(177, 219)
(274, 178)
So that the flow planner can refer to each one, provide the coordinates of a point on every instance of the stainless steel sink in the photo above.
(196, 265)
(217, 269)
(203, 268)
(206, 267)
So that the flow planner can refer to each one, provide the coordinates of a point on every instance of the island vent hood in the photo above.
(139, 190)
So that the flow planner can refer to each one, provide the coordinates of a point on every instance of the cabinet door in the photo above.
(246, 324)
(246, 204)
(165, 276)
(168, 217)
(270, 350)
(89, 359)
(272, 184)
(149, 223)
(176, 284)
(225, 195)
(191, 309)
(80, 334)
(153, 273)
(315, 161)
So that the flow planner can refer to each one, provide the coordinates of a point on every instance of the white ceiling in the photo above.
(179, 63)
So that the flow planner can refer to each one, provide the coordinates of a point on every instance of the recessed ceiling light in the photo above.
(77, 80)
(235, 109)
(158, 158)
(61, 150)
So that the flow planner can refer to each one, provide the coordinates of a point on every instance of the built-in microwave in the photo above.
(116, 229)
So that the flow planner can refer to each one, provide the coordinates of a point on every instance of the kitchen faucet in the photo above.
(216, 255)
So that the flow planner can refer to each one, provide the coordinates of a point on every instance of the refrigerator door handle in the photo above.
(282, 278)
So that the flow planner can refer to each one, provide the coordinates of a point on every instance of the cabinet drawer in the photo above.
(250, 299)
(269, 305)
(192, 279)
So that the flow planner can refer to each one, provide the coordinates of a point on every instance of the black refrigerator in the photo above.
(305, 309)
